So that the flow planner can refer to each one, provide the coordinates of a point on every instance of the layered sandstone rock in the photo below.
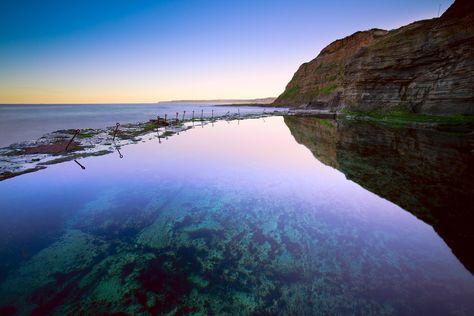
(425, 67)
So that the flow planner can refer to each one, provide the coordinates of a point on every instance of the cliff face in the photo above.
(425, 67)
(422, 171)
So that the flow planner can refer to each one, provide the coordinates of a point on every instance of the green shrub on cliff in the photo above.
(290, 92)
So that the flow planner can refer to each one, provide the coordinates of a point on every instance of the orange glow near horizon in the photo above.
(145, 89)
(140, 52)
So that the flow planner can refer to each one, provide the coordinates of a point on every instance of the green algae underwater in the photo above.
(278, 215)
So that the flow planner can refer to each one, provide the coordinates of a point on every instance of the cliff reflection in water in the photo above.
(426, 172)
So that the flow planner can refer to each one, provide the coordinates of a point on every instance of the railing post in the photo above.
(70, 141)
(115, 131)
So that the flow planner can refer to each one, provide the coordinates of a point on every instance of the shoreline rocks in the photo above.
(52, 148)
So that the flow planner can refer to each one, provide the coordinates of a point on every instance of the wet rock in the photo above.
(30, 156)
(52, 149)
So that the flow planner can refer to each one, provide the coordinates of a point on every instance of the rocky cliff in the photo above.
(425, 67)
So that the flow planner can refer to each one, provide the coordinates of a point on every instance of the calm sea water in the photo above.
(276, 215)
(28, 122)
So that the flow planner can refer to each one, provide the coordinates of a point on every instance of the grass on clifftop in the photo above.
(403, 117)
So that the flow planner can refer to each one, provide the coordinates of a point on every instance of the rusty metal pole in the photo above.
(177, 117)
(115, 131)
(202, 113)
(212, 115)
(158, 128)
(70, 141)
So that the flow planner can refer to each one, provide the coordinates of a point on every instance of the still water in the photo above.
(276, 215)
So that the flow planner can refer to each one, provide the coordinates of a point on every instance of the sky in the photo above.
(133, 51)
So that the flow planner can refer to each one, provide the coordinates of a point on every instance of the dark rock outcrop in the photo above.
(423, 171)
(425, 67)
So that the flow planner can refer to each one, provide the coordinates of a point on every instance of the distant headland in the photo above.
(225, 101)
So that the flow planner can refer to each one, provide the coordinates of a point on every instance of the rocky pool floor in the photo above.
(229, 217)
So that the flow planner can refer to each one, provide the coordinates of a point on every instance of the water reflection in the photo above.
(120, 154)
(229, 219)
(79, 164)
(426, 172)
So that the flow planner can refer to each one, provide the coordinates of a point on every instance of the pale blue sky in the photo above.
(144, 51)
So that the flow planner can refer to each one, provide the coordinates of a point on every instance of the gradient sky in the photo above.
(145, 51)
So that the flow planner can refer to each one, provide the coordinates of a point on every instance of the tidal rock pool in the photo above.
(291, 216)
